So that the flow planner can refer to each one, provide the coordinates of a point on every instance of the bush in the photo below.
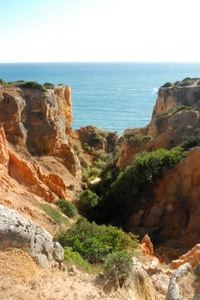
(67, 208)
(136, 139)
(173, 111)
(167, 84)
(75, 258)
(49, 85)
(120, 263)
(94, 242)
(149, 165)
(87, 200)
(146, 138)
(187, 82)
(191, 142)
(54, 214)
(122, 191)
(71, 187)
(32, 85)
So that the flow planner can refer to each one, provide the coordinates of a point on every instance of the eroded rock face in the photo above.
(171, 217)
(18, 232)
(169, 126)
(97, 138)
(4, 156)
(169, 98)
(40, 121)
(192, 257)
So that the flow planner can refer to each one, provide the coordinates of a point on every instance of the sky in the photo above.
(99, 31)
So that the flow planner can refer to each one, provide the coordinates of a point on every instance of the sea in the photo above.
(111, 96)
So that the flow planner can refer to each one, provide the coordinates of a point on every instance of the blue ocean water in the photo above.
(111, 96)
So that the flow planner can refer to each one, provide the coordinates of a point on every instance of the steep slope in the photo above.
(37, 159)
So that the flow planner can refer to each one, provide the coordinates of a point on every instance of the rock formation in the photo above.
(175, 117)
(38, 164)
(192, 257)
(40, 121)
(98, 139)
(170, 218)
(18, 232)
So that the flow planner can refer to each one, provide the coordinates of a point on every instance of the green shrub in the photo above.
(182, 107)
(120, 263)
(49, 85)
(75, 258)
(71, 187)
(122, 191)
(94, 242)
(191, 142)
(167, 84)
(54, 214)
(2, 82)
(149, 165)
(67, 208)
(87, 200)
(32, 85)
(173, 111)
(146, 138)
(136, 139)
(187, 82)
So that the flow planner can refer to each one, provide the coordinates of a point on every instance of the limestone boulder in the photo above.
(141, 285)
(18, 232)
(173, 292)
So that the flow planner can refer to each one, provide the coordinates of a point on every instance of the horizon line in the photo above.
(62, 62)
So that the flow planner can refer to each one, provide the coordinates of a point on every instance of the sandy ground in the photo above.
(22, 279)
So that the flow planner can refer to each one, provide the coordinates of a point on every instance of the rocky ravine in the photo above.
(38, 164)
(173, 206)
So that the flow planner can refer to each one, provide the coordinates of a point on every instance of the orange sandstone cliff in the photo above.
(172, 209)
(37, 160)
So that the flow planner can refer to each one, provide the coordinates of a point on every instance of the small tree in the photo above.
(67, 208)
(119, 264)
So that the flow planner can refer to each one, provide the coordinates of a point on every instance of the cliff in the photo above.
(40, 161)
(37, 159)
(175, 117)
(166, 207)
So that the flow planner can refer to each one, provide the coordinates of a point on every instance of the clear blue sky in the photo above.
(99, 30)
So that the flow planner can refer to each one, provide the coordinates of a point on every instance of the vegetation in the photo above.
(168, 84)
(2, 82)
(32, 85)
(25, 84)
(54, 214)
(94, 242)
(74, 257)
(87, 200)
(138, 139)
(174, 110)
(101, 159)
(185, 82)
(121, 191)
(67, 208)
(120, 263)
(49, 85)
